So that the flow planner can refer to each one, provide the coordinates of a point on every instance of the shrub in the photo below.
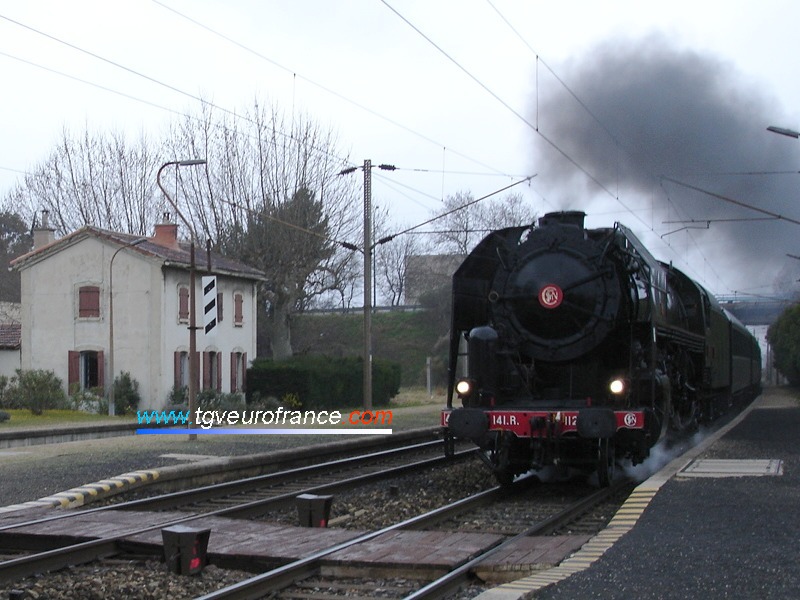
(4, 416)
(126, 394)
(3, 391)
(214, 400)
(37, 390)
(179, 395)
(87, 400)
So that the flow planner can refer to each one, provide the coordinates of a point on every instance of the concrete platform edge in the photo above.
(231, 466)
(622, 522)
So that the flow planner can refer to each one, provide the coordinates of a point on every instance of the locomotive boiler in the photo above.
(576, 347)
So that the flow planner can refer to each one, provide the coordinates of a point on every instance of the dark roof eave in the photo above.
(168, 256)
(201, 270)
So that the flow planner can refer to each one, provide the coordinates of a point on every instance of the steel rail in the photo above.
(181, 498)
(257, 586)
(14, 569)
(452, 581)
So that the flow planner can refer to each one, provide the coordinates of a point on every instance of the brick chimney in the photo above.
(44, 234)
(166, 234)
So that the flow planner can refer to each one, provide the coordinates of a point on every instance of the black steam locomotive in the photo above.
(582, 349)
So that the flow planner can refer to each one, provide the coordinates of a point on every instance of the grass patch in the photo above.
(25, 418)
(417, 396)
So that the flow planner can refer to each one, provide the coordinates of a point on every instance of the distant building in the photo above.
(10, 356)
(70, 293)
(427, 272)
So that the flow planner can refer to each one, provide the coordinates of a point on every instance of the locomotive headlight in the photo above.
(617, 386)
(464, 387)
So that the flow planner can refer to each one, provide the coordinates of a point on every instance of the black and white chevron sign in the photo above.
(209, 303)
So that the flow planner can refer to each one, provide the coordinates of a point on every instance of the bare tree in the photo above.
(92, 179)
(270, 194)
(467, 221)
(391, 258)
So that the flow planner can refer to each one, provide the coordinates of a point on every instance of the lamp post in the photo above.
(784, 131)
(111, 398)
(192, 292)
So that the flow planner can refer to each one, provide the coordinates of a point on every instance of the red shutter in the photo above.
(234, 377)
(73, 370)
(238, 313)
(244, 372)
(176, 370)
(89, 301)
(183, 304)
(206, 370)
(101, 370)
(219, 371)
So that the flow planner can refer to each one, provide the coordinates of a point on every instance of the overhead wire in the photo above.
(513, 111)
(235, 115)
(322, 87)
(137, 73)
(209, 103)
(602, 125)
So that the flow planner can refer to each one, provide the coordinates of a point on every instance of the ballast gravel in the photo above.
(137, 580)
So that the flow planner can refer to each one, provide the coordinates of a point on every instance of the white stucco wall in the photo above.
(146, 330)
(9, 362)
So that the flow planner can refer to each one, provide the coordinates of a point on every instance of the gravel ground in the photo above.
(379, 505)
(123, 580)
(133, 580)
(32, 472)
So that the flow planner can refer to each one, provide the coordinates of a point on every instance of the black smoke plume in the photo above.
(638, 111)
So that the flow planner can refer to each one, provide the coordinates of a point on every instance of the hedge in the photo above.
(321, 381)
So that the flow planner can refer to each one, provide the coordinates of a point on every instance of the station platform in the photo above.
(722, 521)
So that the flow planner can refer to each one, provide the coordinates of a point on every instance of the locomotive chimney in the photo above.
(573, 218)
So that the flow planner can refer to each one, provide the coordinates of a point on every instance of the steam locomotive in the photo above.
(578, 348)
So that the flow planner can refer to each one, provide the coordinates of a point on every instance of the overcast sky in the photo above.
(622, 95)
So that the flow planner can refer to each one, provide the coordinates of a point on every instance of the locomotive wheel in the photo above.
(685, 409)
(504, 478)
(605, 461)
(685, 416)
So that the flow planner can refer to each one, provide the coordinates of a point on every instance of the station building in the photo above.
(96, 298)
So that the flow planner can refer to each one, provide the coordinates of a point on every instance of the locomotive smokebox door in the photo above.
(470, 423)
(597, 423)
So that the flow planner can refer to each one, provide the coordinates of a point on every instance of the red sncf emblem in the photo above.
(550, 296)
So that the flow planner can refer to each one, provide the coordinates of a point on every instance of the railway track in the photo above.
(273, 488)
(294, 580)
(258, 495)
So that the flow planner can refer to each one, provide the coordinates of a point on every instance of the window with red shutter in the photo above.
(238, 370)
(183, 304)
(89, 302)
(238, 309)
(85, 370)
